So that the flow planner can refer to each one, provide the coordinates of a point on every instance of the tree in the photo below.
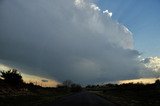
(67, 83)
(12, 77)
(157, 83)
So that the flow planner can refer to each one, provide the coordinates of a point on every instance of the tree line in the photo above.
(14, 79)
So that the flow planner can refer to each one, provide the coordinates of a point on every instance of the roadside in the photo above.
(42, 96)
(131, 97)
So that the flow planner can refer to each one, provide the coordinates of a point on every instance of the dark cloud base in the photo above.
(61, 40)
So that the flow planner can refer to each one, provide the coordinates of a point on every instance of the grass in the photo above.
(132, 97)
(129, 94)
(30, 100)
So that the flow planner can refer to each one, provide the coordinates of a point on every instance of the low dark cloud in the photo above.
(66, 39)
(44, 80)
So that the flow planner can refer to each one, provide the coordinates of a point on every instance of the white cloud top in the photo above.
(96, 8)
(108, 13)
(152, 63)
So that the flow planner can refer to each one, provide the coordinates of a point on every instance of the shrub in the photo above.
(76, 88)
(12, 77)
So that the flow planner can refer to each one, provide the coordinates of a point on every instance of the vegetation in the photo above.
(69, 86)
(12, 77)
(14, 91)
(130, 94)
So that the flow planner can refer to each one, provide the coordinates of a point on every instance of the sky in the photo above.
(81, 40)
(142, 18)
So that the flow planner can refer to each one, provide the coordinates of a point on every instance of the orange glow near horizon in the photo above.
(140, 80)
(38, 80)
(45, 82)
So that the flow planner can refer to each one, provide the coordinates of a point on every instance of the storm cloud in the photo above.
(66, 39)
(151, 67)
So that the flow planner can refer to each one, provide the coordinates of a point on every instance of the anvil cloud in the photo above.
(66, 39)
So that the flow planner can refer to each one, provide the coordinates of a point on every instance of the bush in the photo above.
(69, 86)
(12, 77)
(75, 88)
(62, 88)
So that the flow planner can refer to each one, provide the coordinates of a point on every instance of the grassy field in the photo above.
(38, 98)
(29, 95)
(132, 98)
(130, 94)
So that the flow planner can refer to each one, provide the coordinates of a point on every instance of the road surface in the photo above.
(82, 99)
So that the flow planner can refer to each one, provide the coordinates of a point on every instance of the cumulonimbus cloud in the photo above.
(66, 39)
(151, 67)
